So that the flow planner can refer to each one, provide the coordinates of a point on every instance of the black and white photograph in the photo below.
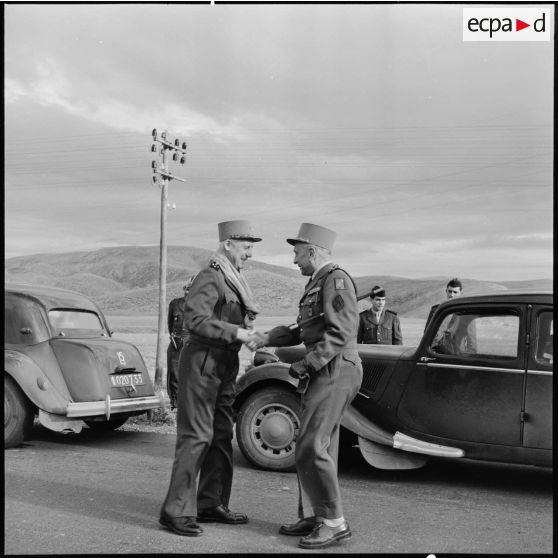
(278, 278)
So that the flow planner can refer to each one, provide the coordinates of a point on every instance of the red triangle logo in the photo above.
(519, 25)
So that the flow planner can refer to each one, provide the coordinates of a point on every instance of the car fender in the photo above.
(34, 383)
(258, 376)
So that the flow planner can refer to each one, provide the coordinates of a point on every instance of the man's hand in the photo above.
(300, 369)
(256, 340)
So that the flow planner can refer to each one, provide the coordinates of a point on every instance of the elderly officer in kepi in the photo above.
(219, 312)
(329, 376)
(378, 325)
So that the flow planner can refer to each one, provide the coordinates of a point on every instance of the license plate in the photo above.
(122, 380)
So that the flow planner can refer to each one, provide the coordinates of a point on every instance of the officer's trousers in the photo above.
(204, 431)
(173, 355)
(329, 393)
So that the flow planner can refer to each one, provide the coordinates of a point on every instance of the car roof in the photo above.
(513, 296)
(52, 297)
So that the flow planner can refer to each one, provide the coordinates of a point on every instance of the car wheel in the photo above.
(267, 427)
(18, 414)
(106, 425)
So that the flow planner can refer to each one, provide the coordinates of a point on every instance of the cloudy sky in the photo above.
(429, 156)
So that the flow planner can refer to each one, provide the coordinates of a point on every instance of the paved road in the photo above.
(101, 494)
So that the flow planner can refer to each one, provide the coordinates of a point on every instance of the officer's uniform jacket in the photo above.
(327, 323)
(386, 331)
(327, 320)
(213, 311)
(175, 316)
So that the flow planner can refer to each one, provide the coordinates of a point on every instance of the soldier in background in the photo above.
(378, 325)
(178, 335)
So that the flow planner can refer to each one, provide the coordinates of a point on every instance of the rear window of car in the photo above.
(75, 322)
(24, 323)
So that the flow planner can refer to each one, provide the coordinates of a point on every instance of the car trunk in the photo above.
(94, 368)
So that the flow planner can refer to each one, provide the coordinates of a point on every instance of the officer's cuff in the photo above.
(242, 334)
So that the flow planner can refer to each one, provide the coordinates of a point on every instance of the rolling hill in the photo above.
(124, 280)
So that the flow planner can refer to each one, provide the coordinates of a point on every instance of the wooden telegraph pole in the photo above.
(165, 177)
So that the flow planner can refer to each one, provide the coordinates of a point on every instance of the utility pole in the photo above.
(165, 177)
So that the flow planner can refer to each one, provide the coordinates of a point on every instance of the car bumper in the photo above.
(110, 406)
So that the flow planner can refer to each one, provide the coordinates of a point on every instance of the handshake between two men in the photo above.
(255, 340)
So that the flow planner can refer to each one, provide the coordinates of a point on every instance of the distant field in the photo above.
(142, 332)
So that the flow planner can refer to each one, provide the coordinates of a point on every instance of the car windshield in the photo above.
(75, 322)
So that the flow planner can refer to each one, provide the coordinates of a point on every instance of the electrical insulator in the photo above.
(153, 164)
(176, 142)
(182, 160)
(153, 148)
(154, 133)
(154, 178)
(164, 135)
(183, 145)
(174, 157)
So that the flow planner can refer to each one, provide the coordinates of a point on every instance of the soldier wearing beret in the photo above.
(378, 325)
(329, 376)
(219, 311)
(178, 334)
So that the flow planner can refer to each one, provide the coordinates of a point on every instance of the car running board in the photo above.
(407, 443)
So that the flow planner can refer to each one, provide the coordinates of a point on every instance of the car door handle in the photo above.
(427, 359)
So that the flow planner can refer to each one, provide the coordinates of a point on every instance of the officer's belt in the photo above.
(198, 340)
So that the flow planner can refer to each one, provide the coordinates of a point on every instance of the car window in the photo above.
(493, 335)
(75, 322)
(23, 321)
(544, 344)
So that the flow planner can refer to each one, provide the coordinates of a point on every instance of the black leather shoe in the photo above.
(323, 536)
(300, 528)
(221, 514)
(185, 526)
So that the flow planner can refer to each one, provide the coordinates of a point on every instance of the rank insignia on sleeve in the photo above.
(339, 284)
(338, 302)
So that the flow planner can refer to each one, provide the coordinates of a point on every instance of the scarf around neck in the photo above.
(236, 281)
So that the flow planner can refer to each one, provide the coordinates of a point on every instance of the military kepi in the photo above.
(314, 234)
(237, 230)
(377, 291)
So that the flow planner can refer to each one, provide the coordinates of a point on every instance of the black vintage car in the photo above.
(478, 386)
(62, 365)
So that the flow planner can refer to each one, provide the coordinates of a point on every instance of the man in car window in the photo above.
(219, 311)
(454, 288)
(458, 335)
(379, 325)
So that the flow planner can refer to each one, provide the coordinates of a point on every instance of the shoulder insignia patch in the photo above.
(338, 302)
(215, 265)
(339, 284)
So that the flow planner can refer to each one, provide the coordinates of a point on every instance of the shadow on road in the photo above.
(457, 473)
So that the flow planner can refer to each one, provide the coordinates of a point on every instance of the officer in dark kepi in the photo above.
(219, 312)
(178, 335)
(329, 376)
(378, 325)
